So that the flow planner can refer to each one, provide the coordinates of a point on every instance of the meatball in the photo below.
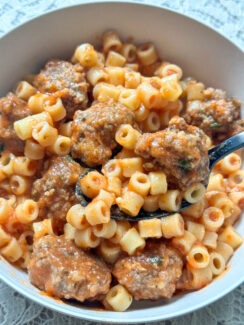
(236, 128)
(180, 150)
(55, 191)
(67, 81)
(12, 109)
(151, 274)
(216, 115)
(93, 131)
(63, 270)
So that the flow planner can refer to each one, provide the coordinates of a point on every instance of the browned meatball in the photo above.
(67, 81)
(151, 274)
(93, 131)
(236, 128)
(55, 191)
(12, 109)
(216, 115)
(63, 270)
(180, 150)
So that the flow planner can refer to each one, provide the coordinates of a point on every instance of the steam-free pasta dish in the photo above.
(121, 128)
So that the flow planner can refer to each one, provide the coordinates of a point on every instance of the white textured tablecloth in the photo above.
(227, 16)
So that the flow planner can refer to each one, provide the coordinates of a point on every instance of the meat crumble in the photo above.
(151, 274)
(67, 81)
(12, 109)
(93, 131)
(63, 270)
(216, 115)
(180, 150)
(55, 191)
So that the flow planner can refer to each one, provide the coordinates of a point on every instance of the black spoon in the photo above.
(215, 154)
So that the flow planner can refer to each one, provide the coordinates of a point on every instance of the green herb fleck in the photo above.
(156, 286)
(215, 125)
(185, 164)
(61, 177)
(66, 272)
(160, 261)
(2, 146)
(69, 158)
(132, 116)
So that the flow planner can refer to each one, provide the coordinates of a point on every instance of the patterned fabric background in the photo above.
(226, 16)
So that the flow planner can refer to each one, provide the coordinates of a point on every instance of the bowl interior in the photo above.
(201, 52)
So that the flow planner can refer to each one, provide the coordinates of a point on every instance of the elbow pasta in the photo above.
(27, 211)
(92, 183)
(170, 201)
(35, 103)
(76, 217)
(130, 98)
(132, 241)
(4, 237)
(12, 251)
(97, 212)
(122, 227)
(109, 251)
(33, 150)
(86, 55)
(147, 54)
(217, 263)
(24, 127)
(61, 146)
(69, 231)
(115, 59)
(105, 230)
(24, 166)
(197, 229)
(152, 92)
(126, 136)
(128, 50)
(116, 75)
(25, 90)
(19, 184)
(150, 228)
(151, 203)
(139, 183)
(44, 134)
(85, 238)
(130, 203)
(55, 108)
(96, 75)
(65, 129)
(5, 210)
(198, 256)
(119, 298)
(152, 122)
(194, 193)
(172, 226)
(111, 41)
(210, 239)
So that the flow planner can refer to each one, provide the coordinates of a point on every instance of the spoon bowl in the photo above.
(215, 154)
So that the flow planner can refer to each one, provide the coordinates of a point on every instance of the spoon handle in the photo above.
(224, 148)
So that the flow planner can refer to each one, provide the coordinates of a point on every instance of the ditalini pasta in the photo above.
(117, 130)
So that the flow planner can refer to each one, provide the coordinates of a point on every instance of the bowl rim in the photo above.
(136, 2)
(77, 312)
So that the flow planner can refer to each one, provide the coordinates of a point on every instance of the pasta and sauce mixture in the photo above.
(145, 132)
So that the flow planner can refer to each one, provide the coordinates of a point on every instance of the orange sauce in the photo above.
(228, 267)
(43, 293)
